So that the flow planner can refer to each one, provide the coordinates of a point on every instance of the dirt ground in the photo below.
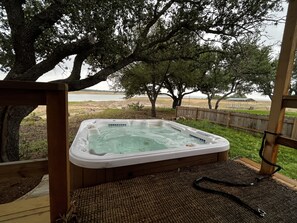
(162, 102)
(14, 188)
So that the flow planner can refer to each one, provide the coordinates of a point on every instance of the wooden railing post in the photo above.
(54, 96)
(58, 160)
(294, 129)
(283, 77)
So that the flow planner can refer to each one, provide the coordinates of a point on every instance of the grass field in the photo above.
(244, 144)
(33, 129)
(290, 113)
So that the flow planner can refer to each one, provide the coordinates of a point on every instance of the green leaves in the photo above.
(122, 28)
(240, 66)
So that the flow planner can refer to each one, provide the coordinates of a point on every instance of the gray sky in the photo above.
(274, 33)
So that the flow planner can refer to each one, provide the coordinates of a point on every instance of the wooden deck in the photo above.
(37, 209)
(25, 211)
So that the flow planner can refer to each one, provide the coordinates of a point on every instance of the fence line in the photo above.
(248, 122)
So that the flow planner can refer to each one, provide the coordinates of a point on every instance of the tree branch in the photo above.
(145, 31)
(15, 17)
(190, 92)
(45, 19)
(167, 37)
(24, 34)
(167, 94)
(55, 57)
(23, 49)
(77, 64)
(75, 85)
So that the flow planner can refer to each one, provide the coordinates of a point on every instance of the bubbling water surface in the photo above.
(131, 139)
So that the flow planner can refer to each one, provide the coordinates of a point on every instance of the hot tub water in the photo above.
(131, 139)
(108, 143)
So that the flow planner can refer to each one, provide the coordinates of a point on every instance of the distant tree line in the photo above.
(237, 67)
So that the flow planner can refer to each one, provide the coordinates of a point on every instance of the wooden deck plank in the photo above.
(36, 218)
(31, 210)
(25, 168)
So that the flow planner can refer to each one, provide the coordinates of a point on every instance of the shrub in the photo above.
(136, 106)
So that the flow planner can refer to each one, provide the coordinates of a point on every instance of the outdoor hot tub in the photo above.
(110, 149)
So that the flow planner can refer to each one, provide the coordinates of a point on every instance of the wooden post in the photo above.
(176, 110)
(58, 159)
(294, 129)
(283, 77)
(228, 119)
(197, 112)
(53, 95)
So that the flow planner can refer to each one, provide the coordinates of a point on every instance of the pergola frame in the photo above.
(281, 100)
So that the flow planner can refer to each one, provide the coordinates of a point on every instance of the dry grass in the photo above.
(33, 129)
(78, 108)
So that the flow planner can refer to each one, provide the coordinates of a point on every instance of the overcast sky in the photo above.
(274, 33)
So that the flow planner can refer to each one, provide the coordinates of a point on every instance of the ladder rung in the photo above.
(286, 142)
(289, 101)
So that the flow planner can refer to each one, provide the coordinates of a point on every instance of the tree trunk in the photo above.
(217, 104)
(180, 99)
(10, 119)
(209, 102)
(175, 102)
(153, 110)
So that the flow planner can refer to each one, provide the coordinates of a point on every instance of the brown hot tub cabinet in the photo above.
(84, 177)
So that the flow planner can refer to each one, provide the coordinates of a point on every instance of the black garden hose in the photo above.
(232, 197)
(263, 158)
(259, 212)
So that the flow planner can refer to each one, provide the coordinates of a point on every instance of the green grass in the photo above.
(243, 144)
(262, 112)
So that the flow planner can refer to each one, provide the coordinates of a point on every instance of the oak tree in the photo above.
(36, 36)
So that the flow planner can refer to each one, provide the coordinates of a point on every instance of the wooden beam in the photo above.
(58, 159)
(32, 86)
(26, 93)
(289, 101)
(285, 141)
(22, 97)
(282, 82)
(23, 168)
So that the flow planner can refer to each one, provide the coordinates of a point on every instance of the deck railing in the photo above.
(54, 96)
